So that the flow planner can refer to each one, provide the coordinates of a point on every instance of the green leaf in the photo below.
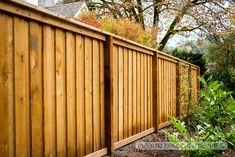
(216, 86)
(202, 80)
(231, 107)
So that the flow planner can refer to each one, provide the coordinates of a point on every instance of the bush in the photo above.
(215, 121)
(89, 18)
(123, 27)
(221, 59)
(191, 57)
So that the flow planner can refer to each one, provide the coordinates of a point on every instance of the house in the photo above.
(69, 10)
(46, 3)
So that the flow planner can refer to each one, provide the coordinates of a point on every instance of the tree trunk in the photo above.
(174, 23)
(140, 13)
(157, 6)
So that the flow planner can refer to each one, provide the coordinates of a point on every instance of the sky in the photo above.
(35, 2)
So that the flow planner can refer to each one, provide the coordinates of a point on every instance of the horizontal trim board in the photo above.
(131, 46)
(100, 152)
(131, 42)
(195, 68)
(167, 58)
(133, 138)
(163, 125)
(173, 57)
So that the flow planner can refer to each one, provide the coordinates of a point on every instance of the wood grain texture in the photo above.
(155, 92)
(22, 100)
(134, 83)
(109, 107)
(7, 118)
(130, 93)
(80, 94)
(61, 109)
(36, 94)
(142, 112)
(49, 91)
(115, 93)
(71, 93)
(121, 93)
(125, 89)
(96, 94)
(102, 94)
(88, 96)
(138, 114)
(68, 90)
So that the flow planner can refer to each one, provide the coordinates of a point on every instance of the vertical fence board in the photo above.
(36, 88)
(130, 93)
(102, 96)
(115, 92)
(80, 94)
(96, 95)
(142, 92)
(121, 93)
(149, 91)
(60, 92)
(159, 87)
(49, 92)
(71, 93)
(174, 90)
(134, 94)
(138, 93)
(125, 98)
(152, 112)
(22, 106)
(88, 95)
(145, 93)
(7, 86)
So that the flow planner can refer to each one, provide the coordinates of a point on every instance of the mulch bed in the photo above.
(131, 151)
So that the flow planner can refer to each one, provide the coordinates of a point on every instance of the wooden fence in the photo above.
(70, 90)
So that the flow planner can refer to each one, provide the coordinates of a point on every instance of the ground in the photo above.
(130, 150)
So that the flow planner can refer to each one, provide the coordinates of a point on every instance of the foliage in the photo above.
(172, 17)
(191, 57)
(130, 30)
(123, 27)
(221, 59)
(216, 105)
(215, 120)
(89, 18)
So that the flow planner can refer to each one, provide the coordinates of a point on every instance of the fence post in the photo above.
(108, 75)
(198, 82)
(178, 86)
(189, 87)
(190, 83)
(155, 91)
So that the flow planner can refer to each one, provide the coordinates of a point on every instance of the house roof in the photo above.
(69, 9)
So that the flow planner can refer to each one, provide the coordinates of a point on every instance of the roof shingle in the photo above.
(68, 10)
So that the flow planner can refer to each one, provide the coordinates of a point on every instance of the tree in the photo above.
(221, 59)
(196, 58)
(170, 16)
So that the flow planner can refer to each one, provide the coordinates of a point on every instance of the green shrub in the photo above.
(215, 121)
